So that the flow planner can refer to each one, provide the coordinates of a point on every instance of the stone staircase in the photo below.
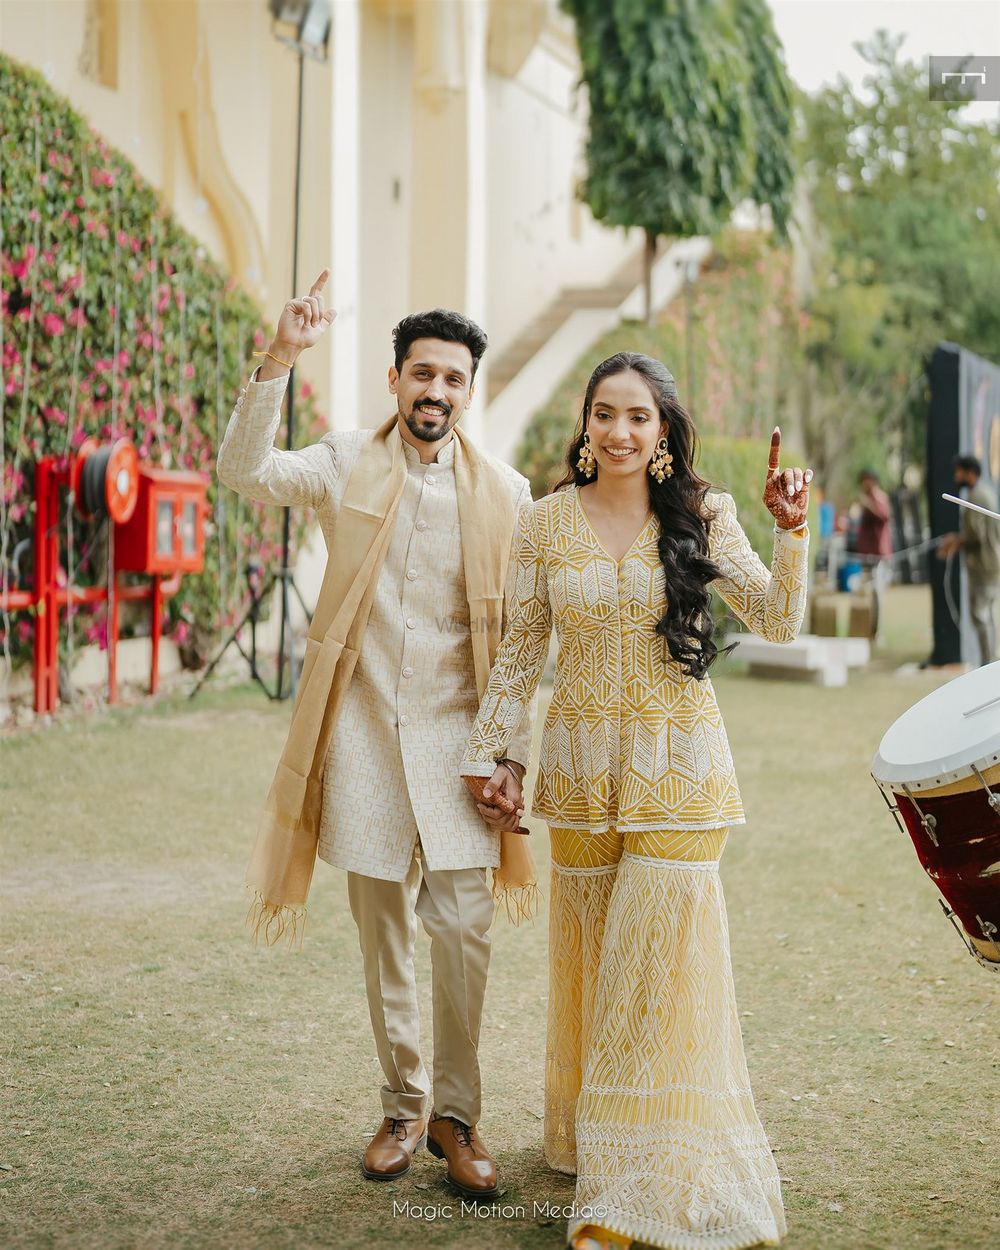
(610, 295)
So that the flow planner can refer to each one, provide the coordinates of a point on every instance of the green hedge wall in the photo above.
(116, 322)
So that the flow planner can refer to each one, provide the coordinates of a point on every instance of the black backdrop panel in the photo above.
(942, 446)
(964, 417)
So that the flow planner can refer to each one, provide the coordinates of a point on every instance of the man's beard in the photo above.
(429, 433)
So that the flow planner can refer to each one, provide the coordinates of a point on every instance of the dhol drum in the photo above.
(938, 768)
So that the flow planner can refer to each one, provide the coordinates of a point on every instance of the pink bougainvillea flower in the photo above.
(189, 370)
(77, 318)
(19, 268)
(54, 414)
(53, 325)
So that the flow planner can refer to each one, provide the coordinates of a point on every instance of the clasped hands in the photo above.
(499, 799)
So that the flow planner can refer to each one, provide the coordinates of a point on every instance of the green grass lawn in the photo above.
(165, 1084)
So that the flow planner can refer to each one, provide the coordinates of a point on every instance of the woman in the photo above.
(647, 1092)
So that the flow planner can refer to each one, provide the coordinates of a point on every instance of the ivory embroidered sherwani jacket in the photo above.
(629, 742)
(391, 773)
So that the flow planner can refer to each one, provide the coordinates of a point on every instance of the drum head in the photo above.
(940, 738)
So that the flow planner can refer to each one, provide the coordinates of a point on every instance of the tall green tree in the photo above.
(905, 252)
(690, 113)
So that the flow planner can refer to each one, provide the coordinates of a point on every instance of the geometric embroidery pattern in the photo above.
(630, 741)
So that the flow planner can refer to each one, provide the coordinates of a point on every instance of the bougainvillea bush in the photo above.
(115, 322)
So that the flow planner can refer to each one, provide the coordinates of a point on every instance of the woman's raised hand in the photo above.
(786, 493)
(303, 321)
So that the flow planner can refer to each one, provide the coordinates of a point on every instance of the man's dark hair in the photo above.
(968, 464)
(869, 473)
(439, 323)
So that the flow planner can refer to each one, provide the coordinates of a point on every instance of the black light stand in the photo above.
(304, 26)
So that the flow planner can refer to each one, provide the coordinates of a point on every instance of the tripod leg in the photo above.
(302, 602)
(250, 615)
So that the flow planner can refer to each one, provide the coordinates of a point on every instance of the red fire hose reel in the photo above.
(157, 520)
(105, 480)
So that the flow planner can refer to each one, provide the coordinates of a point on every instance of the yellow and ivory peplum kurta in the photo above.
(647, 1093)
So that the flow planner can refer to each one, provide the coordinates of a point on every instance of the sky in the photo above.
(818, 35)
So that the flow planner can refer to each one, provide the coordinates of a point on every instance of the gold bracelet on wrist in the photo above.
(276, 359)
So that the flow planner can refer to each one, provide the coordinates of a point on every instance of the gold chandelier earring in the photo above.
(662, 464)
(587, 464)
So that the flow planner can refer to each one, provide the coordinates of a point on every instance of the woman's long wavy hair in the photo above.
(679, 505)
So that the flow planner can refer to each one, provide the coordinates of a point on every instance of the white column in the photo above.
(448, 236)
(345, 233)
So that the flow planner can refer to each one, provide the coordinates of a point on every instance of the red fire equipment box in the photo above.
(166, 533)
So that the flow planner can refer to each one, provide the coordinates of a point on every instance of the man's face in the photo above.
(433, 388)
(964, 478)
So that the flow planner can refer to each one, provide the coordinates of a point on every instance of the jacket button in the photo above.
(411, 575)
(411, 623)
(404, 720)
(421, 525)
(407, 672)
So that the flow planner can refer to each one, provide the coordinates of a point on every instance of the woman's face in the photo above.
(624, 424)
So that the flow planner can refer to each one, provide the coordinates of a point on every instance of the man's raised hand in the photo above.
(303, 321)
(786, 494)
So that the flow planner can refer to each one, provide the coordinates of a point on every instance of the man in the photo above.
(979, 542)
(419, 527)
(874, 541)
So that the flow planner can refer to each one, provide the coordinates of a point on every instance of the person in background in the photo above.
(979, 542)
(874, 540)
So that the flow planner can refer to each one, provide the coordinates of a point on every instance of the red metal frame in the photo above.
(46, 597)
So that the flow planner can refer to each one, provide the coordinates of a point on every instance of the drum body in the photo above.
(938, 768)
(957, 840)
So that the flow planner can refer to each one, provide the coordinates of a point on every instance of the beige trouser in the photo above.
(456, 908)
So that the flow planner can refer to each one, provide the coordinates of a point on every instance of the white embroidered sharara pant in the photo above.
(647, 1092)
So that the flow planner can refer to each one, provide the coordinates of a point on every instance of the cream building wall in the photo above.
(442, 144)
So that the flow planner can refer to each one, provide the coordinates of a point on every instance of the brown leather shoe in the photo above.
(471, 1167)
(390, 1152)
